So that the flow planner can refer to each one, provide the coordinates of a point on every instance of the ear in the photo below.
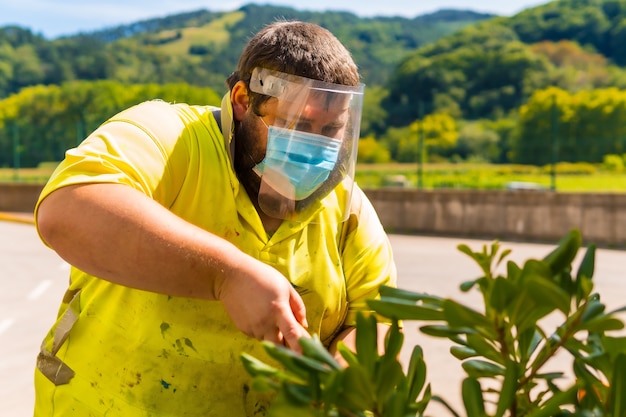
(239, 100)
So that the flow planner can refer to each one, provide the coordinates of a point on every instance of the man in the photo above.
(195, 232)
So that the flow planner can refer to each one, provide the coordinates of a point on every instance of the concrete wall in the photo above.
(19, 197)
(542, 216)
(513, 215)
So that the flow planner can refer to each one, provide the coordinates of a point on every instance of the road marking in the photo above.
(39, 289)
(5, 324)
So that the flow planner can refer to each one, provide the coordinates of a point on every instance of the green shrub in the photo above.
(613, 163)
(572, 168)
(503, 349)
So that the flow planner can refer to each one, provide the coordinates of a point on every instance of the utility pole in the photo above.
(16, 151)
(420, 145)
(555, 143)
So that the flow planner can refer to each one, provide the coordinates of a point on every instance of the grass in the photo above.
(569, 177)
(213, 33)
(29, 175)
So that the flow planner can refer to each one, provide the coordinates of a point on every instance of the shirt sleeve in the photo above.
(138, 147)
(367, 257)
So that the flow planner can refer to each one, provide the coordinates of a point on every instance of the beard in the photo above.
(248, 153)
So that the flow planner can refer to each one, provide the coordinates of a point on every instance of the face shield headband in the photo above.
(311, 149)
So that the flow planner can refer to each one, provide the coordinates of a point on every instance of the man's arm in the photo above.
(116, 233)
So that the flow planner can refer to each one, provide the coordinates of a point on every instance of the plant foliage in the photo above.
(503, 347)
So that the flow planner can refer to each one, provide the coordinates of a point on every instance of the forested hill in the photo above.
(491, 68)
(201, 48)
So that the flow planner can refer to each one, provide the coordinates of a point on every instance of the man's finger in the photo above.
(291, 330)
(297, 307)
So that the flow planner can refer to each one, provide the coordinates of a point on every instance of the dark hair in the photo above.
(298, 48)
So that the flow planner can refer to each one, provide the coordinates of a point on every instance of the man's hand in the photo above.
(263, 304)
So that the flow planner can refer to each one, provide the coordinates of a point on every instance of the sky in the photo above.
(53, 18)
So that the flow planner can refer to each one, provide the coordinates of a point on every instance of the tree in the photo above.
(372, 152)
(51, 119)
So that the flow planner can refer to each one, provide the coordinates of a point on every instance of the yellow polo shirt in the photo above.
(124, 352)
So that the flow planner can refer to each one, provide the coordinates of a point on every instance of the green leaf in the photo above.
(298, 394)
(393, 292)
(264, 384)
(367, 341)
(389, 376)
(458, 315)
(257, 368)
(549, 376)
(588, 386)
(482, 369)
(618, 387)
(468, 285)
(394, 340)
(614, 345)
(483, 347)
(508, 389)
(587, 265)
(528, 341)
(283, 405)
(562, 256)
(482, 259)
(314, 349)
(603, 323)
(593, 309)
(535, 268)
(548, 293)
(463, 352)
(348, 355)
(332, 390)
(503, 255)
(292, 361)
(537, 298)
(416, 373)
(502, 292)
(552, 406)
(403, 310)
(357, 389)
(513, 271)
(466, 250)
(445, 331)
(473, 397)
(584, 286)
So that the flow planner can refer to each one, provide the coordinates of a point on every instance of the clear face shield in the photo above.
(311, 145)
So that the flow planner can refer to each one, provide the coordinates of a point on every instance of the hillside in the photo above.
(490, 69)
(202, 47)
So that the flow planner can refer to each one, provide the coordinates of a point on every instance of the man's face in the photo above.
(322, 116)
(313, 117)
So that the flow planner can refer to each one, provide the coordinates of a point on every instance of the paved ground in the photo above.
(33, 279)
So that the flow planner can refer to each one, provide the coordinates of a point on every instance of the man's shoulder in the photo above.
(165, 109)
(160, 116)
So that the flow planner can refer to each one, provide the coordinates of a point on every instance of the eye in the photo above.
(303, 127)
(332, 131)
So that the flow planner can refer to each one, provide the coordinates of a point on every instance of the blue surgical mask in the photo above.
(305, 159)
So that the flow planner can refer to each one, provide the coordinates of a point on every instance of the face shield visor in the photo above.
(311, 148)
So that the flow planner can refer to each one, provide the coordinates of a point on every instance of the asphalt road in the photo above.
(33, 279)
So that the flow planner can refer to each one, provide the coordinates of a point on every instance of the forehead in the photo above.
(312, 105)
